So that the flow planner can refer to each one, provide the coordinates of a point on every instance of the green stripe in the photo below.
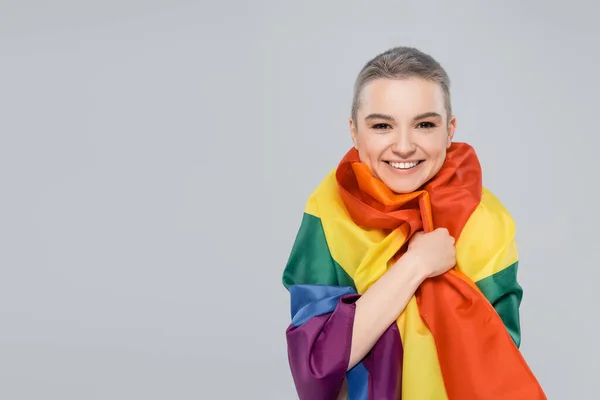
(310, 261)
(505, 294)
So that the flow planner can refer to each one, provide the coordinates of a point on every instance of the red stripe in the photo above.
(477, 357)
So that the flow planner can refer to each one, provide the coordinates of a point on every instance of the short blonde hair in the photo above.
(402, 63)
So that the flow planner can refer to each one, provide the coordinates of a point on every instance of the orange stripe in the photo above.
(426, 214)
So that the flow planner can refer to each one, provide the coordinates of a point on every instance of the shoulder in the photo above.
(490, 215)
(325, 199)
(487, 242)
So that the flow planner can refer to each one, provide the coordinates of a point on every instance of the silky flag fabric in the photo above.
(458, 336)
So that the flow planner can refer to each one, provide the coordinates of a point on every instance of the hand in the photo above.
(434, 252)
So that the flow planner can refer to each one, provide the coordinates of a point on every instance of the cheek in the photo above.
(436, 147)
(438, 157)
(369, 147)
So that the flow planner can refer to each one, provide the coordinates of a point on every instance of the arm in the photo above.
(381, 305)
(487, 252)
(503, 291)
(332, 327)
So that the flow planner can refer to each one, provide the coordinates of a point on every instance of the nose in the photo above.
(404, 145)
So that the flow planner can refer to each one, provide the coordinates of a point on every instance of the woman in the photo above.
(385, 304)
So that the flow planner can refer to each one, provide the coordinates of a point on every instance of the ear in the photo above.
(451, 130)
(353, 133)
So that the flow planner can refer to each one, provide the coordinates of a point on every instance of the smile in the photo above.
(404, 165)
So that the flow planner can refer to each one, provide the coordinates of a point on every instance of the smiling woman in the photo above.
(403, 275)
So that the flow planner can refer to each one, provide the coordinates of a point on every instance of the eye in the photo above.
(381, 126)
(426, 125)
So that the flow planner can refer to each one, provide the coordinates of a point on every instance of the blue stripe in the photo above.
(308, 301)
(358, 383)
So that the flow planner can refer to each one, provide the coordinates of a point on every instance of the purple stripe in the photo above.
(319, 351)
(384, 364)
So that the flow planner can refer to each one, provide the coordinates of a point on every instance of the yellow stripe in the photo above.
(486, 245)
(421, 375)
(365, 254)
(311, 205)
(350, 245)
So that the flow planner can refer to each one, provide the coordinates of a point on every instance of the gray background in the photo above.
(155, 157)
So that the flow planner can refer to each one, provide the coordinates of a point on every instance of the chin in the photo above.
(403, 185)
(403, 189)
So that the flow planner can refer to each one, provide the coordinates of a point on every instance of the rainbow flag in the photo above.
(457, 338)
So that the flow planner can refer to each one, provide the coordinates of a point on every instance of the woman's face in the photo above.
(402, 131)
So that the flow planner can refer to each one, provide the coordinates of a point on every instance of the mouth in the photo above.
(404, 165)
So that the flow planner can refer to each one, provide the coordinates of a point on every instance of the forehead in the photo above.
(401, 97)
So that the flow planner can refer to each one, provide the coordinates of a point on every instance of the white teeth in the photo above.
(404, 165)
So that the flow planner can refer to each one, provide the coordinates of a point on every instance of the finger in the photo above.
(418, 234)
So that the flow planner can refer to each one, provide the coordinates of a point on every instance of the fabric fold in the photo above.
(458, 336)
(319, 341)
(469, 335)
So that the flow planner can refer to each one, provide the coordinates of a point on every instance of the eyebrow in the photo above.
(386, 117)
(379, 116)
(430, 114)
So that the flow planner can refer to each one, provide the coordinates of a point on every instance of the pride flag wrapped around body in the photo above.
(458, 336)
